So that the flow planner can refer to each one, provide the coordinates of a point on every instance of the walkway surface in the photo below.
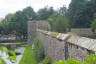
(19, 57)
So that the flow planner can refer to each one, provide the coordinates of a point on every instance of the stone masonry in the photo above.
(61, 46)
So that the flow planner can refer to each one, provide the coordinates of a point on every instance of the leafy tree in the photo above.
(17, 23)
(76, 13)
(5, 28)
(59, 23)
(93, 25)
(44, 13)
(63, 11)
(62, 24)
(29, 13)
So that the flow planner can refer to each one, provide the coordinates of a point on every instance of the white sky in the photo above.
(11, 6)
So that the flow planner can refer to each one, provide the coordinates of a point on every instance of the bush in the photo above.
(93, 35)
(59, 62)
(8, 53)
(47, 60)
(72, 61)
(69, 61)
(39, 50)
(59, 23)
(2, 61)
(90, 59)
(12, 55)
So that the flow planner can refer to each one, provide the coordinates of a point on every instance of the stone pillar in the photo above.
(31, 31)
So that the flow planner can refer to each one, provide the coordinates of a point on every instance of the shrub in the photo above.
(90, 59)
(2, 61)
(47, 60)
(12, 55)
(59, 62)
(72, 61)
(93, 35)
(39, 50)
(6, 51)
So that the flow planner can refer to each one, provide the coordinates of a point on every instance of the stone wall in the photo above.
(61, 47)
(52, 46)
(82, 31)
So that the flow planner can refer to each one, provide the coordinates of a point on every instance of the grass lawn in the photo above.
(28, 56)
(14, 41)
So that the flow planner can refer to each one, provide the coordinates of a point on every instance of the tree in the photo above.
(19, 24)
(93, 25)
(29, 13)
(44, 13)
(59, 23)
(76, 13)
(63, 11)
(5, 24)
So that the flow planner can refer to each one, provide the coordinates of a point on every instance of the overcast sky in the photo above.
(11, 6)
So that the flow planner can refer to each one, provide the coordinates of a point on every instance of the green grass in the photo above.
(29, 56)
(14, 41)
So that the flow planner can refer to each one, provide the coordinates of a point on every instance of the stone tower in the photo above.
(31, 31)
(33, 26)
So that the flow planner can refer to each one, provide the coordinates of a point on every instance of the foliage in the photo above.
(17, 23)
(39, 50)
(29, 13)
(93, 35)
(59, 23)
(68, 61)
(59, 62)
(12, 55)
(14, 41)
(93, 25)
(79, 14)
(73, 61)
(44, 13)
(62, 11)
(6, 51)
(90, 59)
(46, 60)
(29, 56)
(2, 61)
